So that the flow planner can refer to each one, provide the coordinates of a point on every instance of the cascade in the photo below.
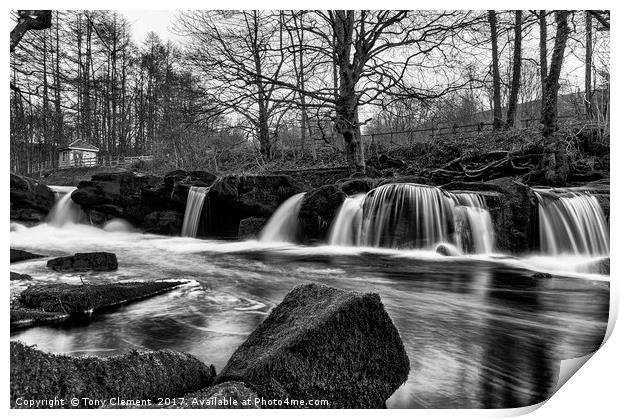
(346, 228)
(283, 226)
(571, 223)
(414, 216)
(193, 209)
(64, 210)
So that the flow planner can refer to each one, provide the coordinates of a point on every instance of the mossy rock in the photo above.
(323, 343)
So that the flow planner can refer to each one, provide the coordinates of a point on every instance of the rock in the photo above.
(357, 186)
(19, 255)
(541, 275)
(80, 299)
(20, 277)
(164, 222)
(235, 197)
(30, 200)
(250, 227)
(419, 180)
(318, 209)
(27, 215)
(323, 343)
(447, 249)
(600, 266)
(82, 262)
(137, 375)
(183, 181)
(228, 395)
(120, 195)
(22, 318)
(515, 218)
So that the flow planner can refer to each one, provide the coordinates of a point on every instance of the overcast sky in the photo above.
(144, 21)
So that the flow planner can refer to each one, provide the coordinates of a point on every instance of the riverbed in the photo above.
(480, 331)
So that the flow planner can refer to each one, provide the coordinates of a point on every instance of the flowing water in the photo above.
(414, 216)
(479, 330)
(65, 211)
(193, 210)
(283, 226)
(572, 223)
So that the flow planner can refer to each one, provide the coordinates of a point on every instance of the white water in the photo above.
(572, 223)
(65, 210)
(346, 228)
(193, 210)
(283, 226)
(414, 216)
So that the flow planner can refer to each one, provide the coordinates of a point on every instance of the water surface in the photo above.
(479, 331)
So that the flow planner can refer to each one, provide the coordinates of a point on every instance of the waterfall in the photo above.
(473, 225)
(64, 210)
(283, 226)
(572, 223)
(346, 228)
(414, 216)
(193, 210)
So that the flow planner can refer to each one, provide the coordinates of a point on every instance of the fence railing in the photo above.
(101, 161)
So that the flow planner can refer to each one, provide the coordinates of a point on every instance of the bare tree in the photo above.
(542, 19)
(497, 101)
(516, 71)
(29, 20)
(588, 66)
(555, 160)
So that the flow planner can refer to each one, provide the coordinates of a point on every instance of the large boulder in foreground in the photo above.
(83, 262)
(323, 343)
(37, 375)
(30, 200)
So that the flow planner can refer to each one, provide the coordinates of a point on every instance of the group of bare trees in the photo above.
(83, 77)
(324, 73)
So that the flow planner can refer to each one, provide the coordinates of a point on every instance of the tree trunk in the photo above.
(555, 161)
(588, 77)
(542, 20)
(516, 72)
(347, 122)
(497, 101)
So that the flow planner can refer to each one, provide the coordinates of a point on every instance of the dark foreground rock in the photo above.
(30, 200)
(19, 255)
(80, 299)
(323, 343)
(20, 277)
(23, 318)
(250, 227)
(83, 262)
(37, 375)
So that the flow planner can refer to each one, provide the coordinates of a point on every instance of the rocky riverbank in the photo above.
(237, 206)
(319, 343)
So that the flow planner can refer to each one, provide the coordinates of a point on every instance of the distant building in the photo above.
(78, 154)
